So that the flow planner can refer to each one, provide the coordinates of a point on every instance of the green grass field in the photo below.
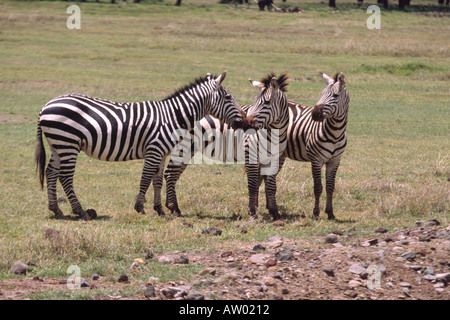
(395, 170)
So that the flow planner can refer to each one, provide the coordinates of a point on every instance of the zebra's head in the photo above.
(223, 105)
(334, 100)
(270, 104)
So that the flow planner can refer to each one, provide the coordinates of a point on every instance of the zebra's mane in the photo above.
(194, 83)
(282, 81)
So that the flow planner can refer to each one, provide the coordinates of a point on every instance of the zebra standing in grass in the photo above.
(318, 135)
(112, 131)
(276, 121)
(269, 111)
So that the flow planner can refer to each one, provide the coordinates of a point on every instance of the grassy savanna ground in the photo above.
(394, 172)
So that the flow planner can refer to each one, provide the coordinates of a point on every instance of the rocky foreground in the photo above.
(413, 263)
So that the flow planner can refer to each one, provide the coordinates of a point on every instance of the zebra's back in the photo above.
(307, 139)
(103, 129)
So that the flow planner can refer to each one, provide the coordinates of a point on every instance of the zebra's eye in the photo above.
(335, 95)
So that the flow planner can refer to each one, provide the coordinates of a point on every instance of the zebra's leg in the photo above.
(52, 174)
(254, 181)
(172, 175)
(66, 174)
(152, 164)
(317, 177)
(157, 186)
(271, 191)
(331, 169)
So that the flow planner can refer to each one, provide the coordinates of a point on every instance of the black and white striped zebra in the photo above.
(113, 131)
(276, 121)
(318, 135)
(269, 111)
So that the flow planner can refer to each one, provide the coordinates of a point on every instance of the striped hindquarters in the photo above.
(104, 129)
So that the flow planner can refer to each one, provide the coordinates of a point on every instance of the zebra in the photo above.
(113, 131)
(268, 111)
(318, 135)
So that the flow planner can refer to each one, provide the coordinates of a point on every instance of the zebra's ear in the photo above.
(257, 84)
(274, 84)
(341, 79)
(220, 78)
(327, 79)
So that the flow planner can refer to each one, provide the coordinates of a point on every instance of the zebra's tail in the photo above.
(39, 156)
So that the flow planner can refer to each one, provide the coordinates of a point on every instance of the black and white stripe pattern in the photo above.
(318, 135)
(275, 120)
(113, 131)
(208, 127)
(269, 111)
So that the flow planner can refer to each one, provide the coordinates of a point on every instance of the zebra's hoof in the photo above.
(159, 210)
(139, 208)
(275, 215)
(91, 213)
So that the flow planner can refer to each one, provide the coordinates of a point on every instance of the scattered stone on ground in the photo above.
(19, 268)
(409, 264)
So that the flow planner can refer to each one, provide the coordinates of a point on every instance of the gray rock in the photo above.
(95, 276)
(405, 284)
(428, 271)
(259, 258)
(429, 277)
(284, 255)
(150, 292)
(331, 238)
(19, 268)
(328, 270)
(275, 242)
(443, 277)
(182, 259)
(357, 268)
(259, 247)
(195, 296)
(175, 292)
(443, 235)
(409, 255)
(415, 267)
(165, 259)
(432, 223)
(213, 231)
(85, 283)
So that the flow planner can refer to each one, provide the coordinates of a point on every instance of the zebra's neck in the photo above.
(334, 128)
(187, 107)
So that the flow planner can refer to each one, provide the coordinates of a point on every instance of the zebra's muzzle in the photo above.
(317, 113)
(246, 122)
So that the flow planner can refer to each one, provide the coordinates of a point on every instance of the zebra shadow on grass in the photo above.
(73, 217)
(291, 217)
